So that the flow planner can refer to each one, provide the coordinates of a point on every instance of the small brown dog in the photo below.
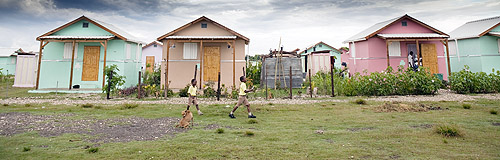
(187, 116)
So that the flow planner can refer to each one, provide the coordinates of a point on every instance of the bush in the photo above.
(493, 112)
(466, 81)
(129, 106)
(253, 73)
(26, 149)
(184, 92)
(116, 81)
(219, 130)
(208, 91)
(360, 101)
(93, 150)
(447, 130)
(466, 106)
(249, 133)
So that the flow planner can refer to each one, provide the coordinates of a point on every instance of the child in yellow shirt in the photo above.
(242, 98)
(192, 96)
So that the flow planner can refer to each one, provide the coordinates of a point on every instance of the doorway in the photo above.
(211, 63)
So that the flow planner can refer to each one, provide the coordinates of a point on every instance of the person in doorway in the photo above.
(192, 96)
(345, 71)
(242, 98)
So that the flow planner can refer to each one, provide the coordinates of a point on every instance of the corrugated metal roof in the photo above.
(413, 35)
(118, 31)
(76, 37)
(7, 52)
(495, 33)
(361, 35)
(201, 37)
(474, 28)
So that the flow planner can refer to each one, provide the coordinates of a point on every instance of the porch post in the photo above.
(234, 66)
(201, 63)
(104, 64)
(418, 54)
(387, 48)
(448, 57)
(40, 62)
(72, 63)
(166, 70)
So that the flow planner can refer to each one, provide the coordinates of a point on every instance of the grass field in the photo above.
(315, 131)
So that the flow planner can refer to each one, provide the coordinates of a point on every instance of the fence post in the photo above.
(331, 76)
(265, 78)
(290, 81)
(6, 79)
(310, 84)
(109, 85)
(218, 88)
(139, 86)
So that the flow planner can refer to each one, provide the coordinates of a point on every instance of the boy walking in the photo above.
(192, 96)
(242, 98)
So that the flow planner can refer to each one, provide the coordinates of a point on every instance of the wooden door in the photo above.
(150, 60)
(91, 55)
(429, 57)
(211, 63)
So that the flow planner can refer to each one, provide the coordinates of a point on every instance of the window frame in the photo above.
(85, 25)
(190, 51)
(204, 25)
(67, 50)
(404, 23)
(395, 49)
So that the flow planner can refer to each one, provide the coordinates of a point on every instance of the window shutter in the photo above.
(190, 51)
(127, 51)
(394, 49)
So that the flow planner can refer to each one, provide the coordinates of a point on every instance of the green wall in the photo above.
(480, 54)
(76, 29)
(321, 47)
(8, 63)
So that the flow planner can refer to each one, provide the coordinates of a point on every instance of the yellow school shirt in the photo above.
(243, 88)
(192, 90)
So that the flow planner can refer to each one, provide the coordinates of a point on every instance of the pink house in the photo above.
(396, 42)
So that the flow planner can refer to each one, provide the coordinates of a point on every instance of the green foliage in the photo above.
(253, 73)
(466, 106)
(219, 130)
(129, 106)
(184, 92)
(93, 150)
(466, 81)
(249, 133)
(116, 81)
(208, 90)
(88, 105)
(26, 149)
(152, 78)
(493, 112)
(360, 101)
(448, 130)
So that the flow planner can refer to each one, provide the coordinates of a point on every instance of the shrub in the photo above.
(493, 112)
(466, 106)
(252, 121)
(116, 79)
(208, 91)
(88, 105)
(249, 133)
(26, 149)
(360, 101)
(129, 91)
(447, 130)
(93, 150)
(219, 130)
(129, 106)
(184, 92)
(466, 81)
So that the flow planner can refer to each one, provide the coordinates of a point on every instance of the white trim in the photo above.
(128, 51)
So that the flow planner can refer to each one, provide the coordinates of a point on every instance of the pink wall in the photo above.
(412, 27)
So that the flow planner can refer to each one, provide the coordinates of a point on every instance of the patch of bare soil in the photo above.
(405, 107)
(496, 123)
(107, 130)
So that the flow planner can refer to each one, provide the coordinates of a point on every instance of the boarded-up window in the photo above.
(452, 47)
(394, 49)
(190, 50)
(127, 51)
(68, 49)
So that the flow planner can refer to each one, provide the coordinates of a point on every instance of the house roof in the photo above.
(413, 35)
(154, 42)
(378, 27)
(320, 42)
(475, 28)
(201, 37)
(106, 26)
(494, 33)
(247, 40)
(76, 37)
(7, 52)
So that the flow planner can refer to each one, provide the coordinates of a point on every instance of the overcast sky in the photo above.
(299, 23)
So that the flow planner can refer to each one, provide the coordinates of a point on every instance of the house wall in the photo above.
(8, 63)
(480, 54)
(152, 51)
(412, 27)
(76, 29)
(323, 47)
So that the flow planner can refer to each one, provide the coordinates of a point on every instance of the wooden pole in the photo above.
(331, 76)
(234, 63)
(104, 63)
(109, 85)
(72, 63)
(265, 77)
(139, 87)
(166, 70)
(387, 47)
(39, 64)
(310, 84)
(290, 82)
(218, 88)
(195, 70)
(448, 57)
(419, 62)
(201, 63)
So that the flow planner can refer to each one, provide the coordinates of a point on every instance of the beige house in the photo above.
(207, 45)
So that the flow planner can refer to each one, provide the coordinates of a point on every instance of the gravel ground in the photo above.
(74, 99)
(102, 131)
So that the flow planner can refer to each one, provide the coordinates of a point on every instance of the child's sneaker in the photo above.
(200, 113)
(251, 116)
(232, 116)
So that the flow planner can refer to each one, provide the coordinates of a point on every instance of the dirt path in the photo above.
(74, 99)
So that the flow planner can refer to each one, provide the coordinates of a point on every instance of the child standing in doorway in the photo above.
(192, 96)
(242, 98)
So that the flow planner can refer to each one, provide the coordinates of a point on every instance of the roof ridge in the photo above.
(483, 19)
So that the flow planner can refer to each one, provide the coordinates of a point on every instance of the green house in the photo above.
(73, 56)
(476, 44)
(315, 57)
(8, 60)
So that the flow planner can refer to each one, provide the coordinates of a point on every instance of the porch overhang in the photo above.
(497, 34)
(75, 38)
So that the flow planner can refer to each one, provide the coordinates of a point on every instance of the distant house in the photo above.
(75, 54)
(207, 44)
(151, 56)
(394, 42)
(26, 68)
(476, 44)
(319, 57)
(8, 60)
